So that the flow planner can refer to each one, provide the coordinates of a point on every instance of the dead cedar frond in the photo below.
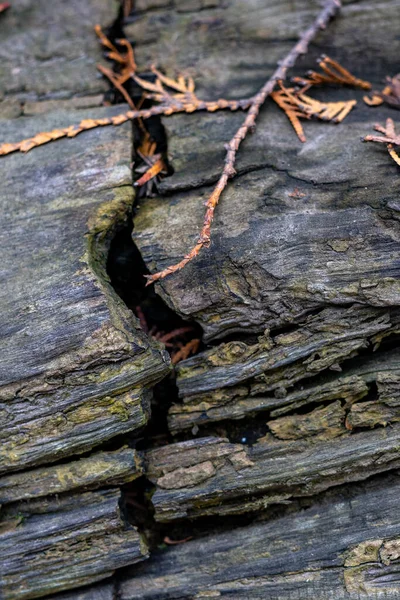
(298, 105)
(184, 94)
(390, 138)
(151, 169)
(186, 350)
(283, 98)
(301, 47)
(333, 74)
(390, 94)
(184, 100)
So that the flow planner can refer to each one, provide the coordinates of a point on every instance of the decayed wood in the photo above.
(236, 379)
(97, 470)
(302, 226)
(301, 47)
(76, 366)
(102, 591)
(344, 547)
(49, 49)
(320, 342)
(61, 543)
(210, 476)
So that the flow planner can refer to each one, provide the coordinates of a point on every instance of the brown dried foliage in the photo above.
(389, 137)
(333, 73)
(176, 96)
(298, 105)
(329, 11)
(390, 94)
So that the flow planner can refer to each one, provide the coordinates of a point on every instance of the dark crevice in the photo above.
(127, 270)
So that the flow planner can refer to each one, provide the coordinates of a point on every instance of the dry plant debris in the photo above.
(178, 349)
(298, 105)
(326, 14)
(333, 73)
(171, 96)
(389, 137)
(390, 94)
(153, 165)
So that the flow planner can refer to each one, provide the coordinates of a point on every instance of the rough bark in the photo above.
(77, 370)
(97, 470)
(298, 296)
(345, 547)
(61, 543)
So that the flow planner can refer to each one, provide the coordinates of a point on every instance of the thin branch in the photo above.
(328, 12)
(74, 130)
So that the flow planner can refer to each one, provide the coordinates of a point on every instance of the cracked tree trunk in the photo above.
(77, 370)
(294, 400)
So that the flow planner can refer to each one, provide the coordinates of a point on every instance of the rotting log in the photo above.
(96, 470)
(211, 476)
(76, 370)
(61, 543)
(301, 275)
(77, 367)
(101, 591)
(344, 547)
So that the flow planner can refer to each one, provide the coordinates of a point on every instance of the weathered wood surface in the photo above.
(310, 357)
(49, 51)
(96, 470)
(102, 591)
(345, 547)
(76, 368)
(60, 543)
(75, 360)
(275, 253)
(306, 239)
(210, 476)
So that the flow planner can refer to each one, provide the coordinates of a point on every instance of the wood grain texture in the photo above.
(210, 476)
(96, 470)
(49, 49)
(61, 543)
(344, 547)
(302, 226)
(76, 366)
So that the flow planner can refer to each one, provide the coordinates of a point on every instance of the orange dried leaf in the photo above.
(297, 105)
(373, 100)
(394, 154)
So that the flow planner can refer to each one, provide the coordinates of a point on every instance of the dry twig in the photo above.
(298, 105)
(333, 73)
(329, 11)
(390, 138)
